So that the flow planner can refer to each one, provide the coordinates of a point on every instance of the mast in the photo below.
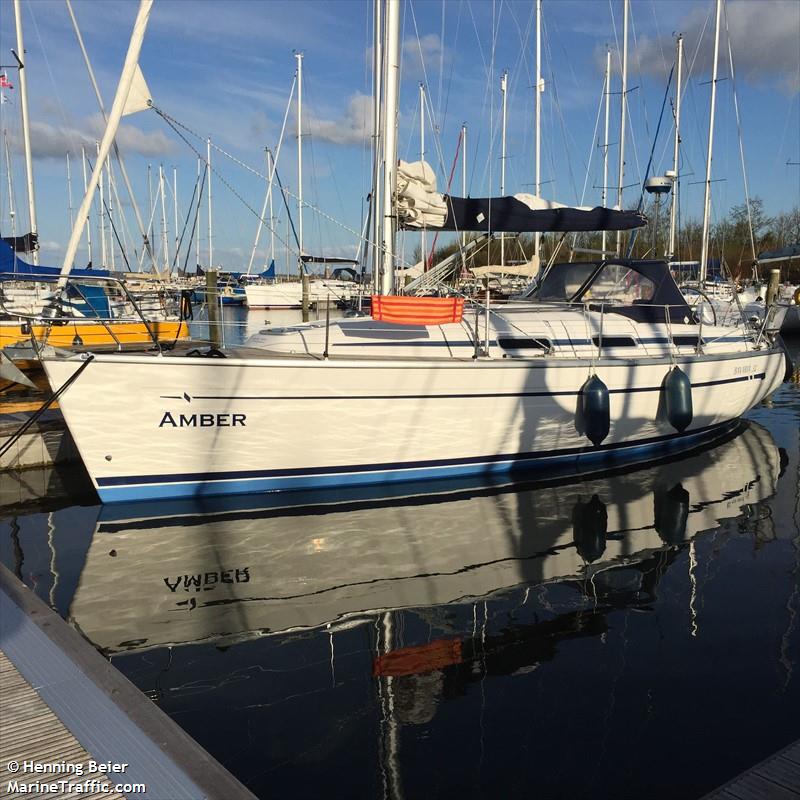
(673, 210)
(267, 199)
(423, 244)
(375, 193)
(270, 171)
(197, 222)
(539, 89)
(123, 88)
(707, 194)
(88, 220)
(110, 204)
(463, 173)
(299, 57)
(623, 115)
(12, 215)
(604, 195)
(145, 240)
(165, 243)
(102, 196)
(392, 86)
(504, 95)
(175, 211)
(69, 194)
(208, 180)
(26, 125)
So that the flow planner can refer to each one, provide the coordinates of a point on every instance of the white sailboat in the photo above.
(610, 365)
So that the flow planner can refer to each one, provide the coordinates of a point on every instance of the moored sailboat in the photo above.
(611, 367)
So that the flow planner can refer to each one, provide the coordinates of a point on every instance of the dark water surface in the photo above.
(628, 636)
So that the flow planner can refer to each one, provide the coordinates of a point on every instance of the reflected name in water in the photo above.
(209, 580)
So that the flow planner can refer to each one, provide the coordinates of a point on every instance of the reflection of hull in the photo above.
(188, 575)
(92, 334)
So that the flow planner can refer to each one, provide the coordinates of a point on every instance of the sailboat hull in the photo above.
(117, 333)
(200, 427)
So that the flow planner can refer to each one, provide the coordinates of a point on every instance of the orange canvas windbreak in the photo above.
(417, 310)
(417, 660)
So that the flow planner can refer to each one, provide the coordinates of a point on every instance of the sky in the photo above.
(224, 70)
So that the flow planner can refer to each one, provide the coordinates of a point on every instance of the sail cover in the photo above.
(419, 205)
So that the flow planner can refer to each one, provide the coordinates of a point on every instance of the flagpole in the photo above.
(123, 88)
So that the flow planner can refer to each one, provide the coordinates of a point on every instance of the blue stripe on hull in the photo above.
(115, 490)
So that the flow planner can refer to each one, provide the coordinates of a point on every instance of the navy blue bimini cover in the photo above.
(509, 215)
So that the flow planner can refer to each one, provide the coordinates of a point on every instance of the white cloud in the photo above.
(765, 42)
(423, 56)
(353, 127)
(53, 141)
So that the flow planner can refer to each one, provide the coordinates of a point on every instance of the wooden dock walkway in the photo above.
(775, 778)
(30, 731)
(64, 704)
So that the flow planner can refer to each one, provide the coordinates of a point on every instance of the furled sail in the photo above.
(419, 205)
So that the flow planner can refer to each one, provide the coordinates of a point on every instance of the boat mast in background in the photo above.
(673, 212)
(26, 125)
(423, 242)
(604, 194)
(623, 115)
(537, 237)
(463, 173)
(299, 57)
(208, 180)
(707, 194)
(504, 106)
(87, 221)
(69, 195)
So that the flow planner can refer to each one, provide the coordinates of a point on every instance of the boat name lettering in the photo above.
(743, 370)
(208, 580)
(202, 420)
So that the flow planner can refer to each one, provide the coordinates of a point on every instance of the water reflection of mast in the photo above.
(390, 736)
(51, 529)
(791, 602)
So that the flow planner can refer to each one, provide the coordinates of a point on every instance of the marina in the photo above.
(339, 457)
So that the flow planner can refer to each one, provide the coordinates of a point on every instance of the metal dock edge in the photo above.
(107, 715)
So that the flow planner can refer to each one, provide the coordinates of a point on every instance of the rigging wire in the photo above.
(739, 133)
(179, 127)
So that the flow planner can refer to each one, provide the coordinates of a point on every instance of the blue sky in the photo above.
(224, 70)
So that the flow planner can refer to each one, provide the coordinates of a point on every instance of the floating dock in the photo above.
(776, 778)
(65, 710)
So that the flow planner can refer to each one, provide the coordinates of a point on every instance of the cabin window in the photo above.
(685, 341)
(620, 285)
(614, 341)
(519, 343)
(563, 281)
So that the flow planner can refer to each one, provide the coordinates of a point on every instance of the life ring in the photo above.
(797, 296)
